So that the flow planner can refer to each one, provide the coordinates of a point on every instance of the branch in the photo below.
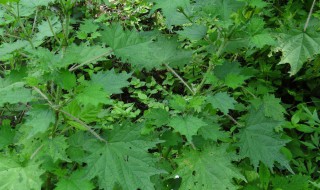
(309, 16)
(180, 78)
(74, 67)
(70, 115)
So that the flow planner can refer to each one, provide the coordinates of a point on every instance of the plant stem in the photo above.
(309, 16)
(180, 78)
(51, 29)
(70, 115)
(74, 67)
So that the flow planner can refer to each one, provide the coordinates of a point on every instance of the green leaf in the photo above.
(82, 55)
(126, 157)
(7, 1)
(47, 30)
(75, 182)
(194, 32)
(211, 168)
(65, 79)
(170, 11)
(187, 125)
(222, 9)
(111, 81)
(7, 48)
(56, 148)
(15, 176)
(39, 120)
(259, 142)
(297, 47)
(293, 182)
(212, 132)
(234, 81)
(93, 95)
(14, 93)
(140, 50)
(222, 101)
(157, 116)
(87, 113)
(6, 134)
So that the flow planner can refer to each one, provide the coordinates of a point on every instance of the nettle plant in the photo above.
(87, 103)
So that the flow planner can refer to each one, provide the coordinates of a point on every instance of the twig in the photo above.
(234, 120)
(70, 115)
(51, 29)
(36, 152)
(83, 124)
(309, 16)
(74, 67)
(180, 78)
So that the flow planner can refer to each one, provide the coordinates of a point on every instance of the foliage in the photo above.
(150, 94)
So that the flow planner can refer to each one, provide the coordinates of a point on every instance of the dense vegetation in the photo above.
(159, 94)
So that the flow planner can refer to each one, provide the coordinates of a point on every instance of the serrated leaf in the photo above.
(7, 48)
(259, 142)
(194, 32)
(222, 9)
(6, 135)
(142, 51)
(65, 79)
(297, 47)
(75, 182)
(111, 81)
(187, 126)
(126, 157)
(211, 168)
(14, 93)
(83, 54)
(56, 148)
(212, 132)
(293, 182)
(47, 28)
(170, 11)
(157, 116)
(39, 120)
(14, 176)
(87, 113)
(93, 95)
(222, 101)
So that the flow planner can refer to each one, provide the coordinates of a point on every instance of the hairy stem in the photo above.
(74, 67)
(180, 78)
(70, 115)
(309, 16)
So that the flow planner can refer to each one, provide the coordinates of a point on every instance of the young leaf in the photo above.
(111, 81)
(259, 142)
(222, 101)
(297, 47)
(187, 126)
(211, 168)
(126, 157)
(15, 176)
